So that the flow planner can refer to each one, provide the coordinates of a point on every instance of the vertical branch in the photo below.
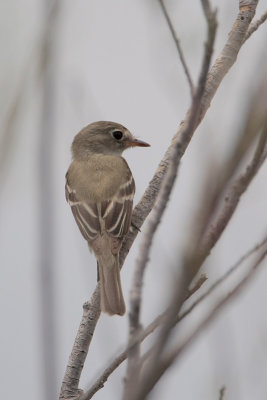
(91, 313)
(227, 58)
(131, 391)
(178, 47)
(45, 181)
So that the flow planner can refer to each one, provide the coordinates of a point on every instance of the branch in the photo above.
(178, 47)
(202, 279)
(180, 141)
(166, 361)
(207, 9)
(217, 181)
(197, 257)
(222, 393)
(91, 313)
(255, 25)
(232, 197)
(220, 281)
(159, 320)
(156, 215)
(230, 51)
(215, 76)
(37, 53)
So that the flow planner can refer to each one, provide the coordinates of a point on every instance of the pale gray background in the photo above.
(115, 60)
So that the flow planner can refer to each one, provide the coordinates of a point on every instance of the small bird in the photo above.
(100, 190)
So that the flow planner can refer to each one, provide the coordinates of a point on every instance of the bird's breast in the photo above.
(99, 178)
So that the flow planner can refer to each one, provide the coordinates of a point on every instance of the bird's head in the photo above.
(103, 137)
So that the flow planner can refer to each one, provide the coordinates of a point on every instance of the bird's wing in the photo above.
(111, 216)
(116, 213)
(85, 214)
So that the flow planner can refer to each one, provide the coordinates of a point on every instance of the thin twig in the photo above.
(220, 280)
(178, 47)
(202, 279)
(255, 25)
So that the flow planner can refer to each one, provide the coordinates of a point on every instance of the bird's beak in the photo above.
(136, 142)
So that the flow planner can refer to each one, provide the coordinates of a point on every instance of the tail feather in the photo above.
(111, 297)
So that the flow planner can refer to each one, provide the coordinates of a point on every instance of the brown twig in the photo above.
(202, 279)
(178, 47)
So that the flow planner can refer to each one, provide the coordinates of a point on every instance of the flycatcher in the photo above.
(100, 190)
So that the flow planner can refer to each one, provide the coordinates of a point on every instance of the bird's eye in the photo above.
(117, 135)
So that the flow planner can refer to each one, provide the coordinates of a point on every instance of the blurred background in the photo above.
(65, 64)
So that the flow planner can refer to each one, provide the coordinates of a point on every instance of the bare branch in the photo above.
(133, 366)
(178, 47)
(196, 258)
(221, 66)
(47, 66)
(202, 279)
(207, 9)
(91, 313)
(120, 358)
(230, 51)
(156, 215)
(183, 136)
(159, 320)
(222, 393)
(232, 197)
(255, 25)
(166, 361)
(12, 114)
(217, 181)
(220, 280)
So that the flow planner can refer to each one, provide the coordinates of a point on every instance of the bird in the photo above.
(100, 189)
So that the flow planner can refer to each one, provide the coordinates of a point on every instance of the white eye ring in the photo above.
(117, 134)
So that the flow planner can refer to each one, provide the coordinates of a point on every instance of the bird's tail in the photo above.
(111, 297)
